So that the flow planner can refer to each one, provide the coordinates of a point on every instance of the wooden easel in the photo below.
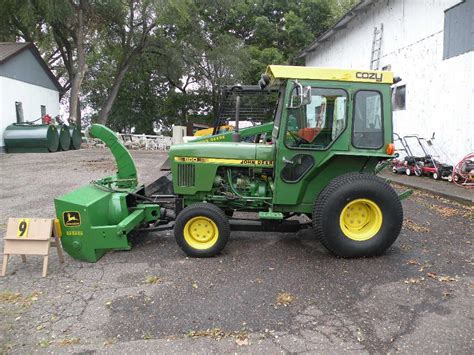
(32, 236)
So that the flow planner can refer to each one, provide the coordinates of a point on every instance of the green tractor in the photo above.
(317, 159)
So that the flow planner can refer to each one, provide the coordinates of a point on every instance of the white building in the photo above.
(28, 89)
(429, 44)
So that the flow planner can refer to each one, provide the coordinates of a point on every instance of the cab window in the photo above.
(367, 127)
(315, 125)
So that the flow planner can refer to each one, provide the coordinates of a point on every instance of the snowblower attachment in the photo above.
(100, 216)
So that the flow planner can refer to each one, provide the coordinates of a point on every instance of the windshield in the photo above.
(319, 123)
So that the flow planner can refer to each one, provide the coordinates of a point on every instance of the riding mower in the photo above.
(330, 129)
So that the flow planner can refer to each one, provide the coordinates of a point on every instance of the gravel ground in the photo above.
(266, 293)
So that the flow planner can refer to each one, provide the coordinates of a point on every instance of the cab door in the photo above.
(313, 125)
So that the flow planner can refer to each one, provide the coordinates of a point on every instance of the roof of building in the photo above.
(341, 24)
(9, 50)
(283, 72)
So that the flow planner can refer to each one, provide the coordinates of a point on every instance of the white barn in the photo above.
(28, 89)
(429, 44)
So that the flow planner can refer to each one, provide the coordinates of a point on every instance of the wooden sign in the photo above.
(31, 236)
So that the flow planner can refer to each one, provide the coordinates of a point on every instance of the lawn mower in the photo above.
(410, 164)
(428, 165)
(330, 129)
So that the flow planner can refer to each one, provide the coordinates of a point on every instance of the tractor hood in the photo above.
(224, 150)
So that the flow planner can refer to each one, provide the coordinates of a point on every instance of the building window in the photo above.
(43, 110)
(367, 130)
(458, 29)
(19, 112)
(399, 98)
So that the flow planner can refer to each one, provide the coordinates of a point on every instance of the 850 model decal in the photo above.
(254, 162)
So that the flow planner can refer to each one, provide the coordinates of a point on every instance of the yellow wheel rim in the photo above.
(201, 232)
(361, 219)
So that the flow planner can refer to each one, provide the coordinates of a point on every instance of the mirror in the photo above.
(299, 96)
(306, 100)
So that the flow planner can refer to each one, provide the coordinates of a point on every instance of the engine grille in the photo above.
(186, 173)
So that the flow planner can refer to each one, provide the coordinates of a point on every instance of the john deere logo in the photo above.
(71, 219)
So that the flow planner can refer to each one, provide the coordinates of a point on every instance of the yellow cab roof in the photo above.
(283, 72)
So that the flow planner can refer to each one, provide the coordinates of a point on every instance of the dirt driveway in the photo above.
(267, 293)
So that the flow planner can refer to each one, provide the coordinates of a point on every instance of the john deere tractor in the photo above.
(317, 159)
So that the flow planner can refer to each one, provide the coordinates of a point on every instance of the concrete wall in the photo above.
(31, 97)
(439, 93)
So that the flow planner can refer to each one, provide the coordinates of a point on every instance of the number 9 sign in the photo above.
(22, 230)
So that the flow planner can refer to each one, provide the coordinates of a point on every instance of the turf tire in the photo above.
(337, 194)
(207, 210)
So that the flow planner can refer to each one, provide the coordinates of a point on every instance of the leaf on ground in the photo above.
(10, 297)
(442, 278)
(285, 299)
(215, 333)
(242, 342)
(151, 280)
(411, 225)
(44, 343)
(69, 341)
(414, 280)
(413, 262)
(18, 299)
(195, 285)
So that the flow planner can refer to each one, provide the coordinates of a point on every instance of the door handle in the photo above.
(286, 161)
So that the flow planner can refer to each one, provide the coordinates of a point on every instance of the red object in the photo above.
(309, 134)
(46, 119)
(390, 149)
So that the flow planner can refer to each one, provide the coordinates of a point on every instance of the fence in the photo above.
(136, 141)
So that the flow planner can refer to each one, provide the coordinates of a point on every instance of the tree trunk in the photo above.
(105, 111)
(80, 70)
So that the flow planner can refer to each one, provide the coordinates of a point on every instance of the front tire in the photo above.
(357, 215)
(202, 230)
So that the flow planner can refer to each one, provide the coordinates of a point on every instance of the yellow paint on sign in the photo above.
(22, 230)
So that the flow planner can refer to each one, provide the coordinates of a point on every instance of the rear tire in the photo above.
(202, 230)
(408, 171)
(435, 176)
(357, 215)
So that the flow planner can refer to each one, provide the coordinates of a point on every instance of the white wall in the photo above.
(440, 93)
(31, 97)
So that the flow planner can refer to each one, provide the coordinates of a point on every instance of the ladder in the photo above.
(376, 48)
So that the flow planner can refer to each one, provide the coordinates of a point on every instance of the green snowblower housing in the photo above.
(316, 159)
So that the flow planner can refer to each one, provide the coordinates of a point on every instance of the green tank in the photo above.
(64, 137)
(28, 138)
(76, 138)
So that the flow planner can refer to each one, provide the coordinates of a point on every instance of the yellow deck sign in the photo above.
(31, 236)
(22, 230)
